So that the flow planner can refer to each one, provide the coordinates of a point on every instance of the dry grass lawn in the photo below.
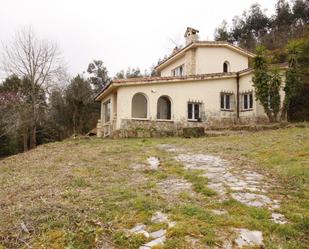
(83, 193)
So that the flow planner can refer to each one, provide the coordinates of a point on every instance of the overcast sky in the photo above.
(123, 33)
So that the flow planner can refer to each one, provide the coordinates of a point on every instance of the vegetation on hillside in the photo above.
(254, 27)
(38, 104)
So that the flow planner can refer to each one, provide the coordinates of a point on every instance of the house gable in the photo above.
(206, 54)
(212, 59)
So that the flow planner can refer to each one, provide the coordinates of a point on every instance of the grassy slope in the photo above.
(83, 194)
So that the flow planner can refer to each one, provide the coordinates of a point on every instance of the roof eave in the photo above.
(104, 92)
(174, 56)
(188, 79)
(159, 80)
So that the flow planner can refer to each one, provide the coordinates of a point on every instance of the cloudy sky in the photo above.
(122, 33)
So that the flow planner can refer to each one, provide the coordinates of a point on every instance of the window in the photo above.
(194, 111)
(139, 106)
(225, 101)
(107, 111)
(164, 108)
(178, 71)
(247, 100)
(226, 67)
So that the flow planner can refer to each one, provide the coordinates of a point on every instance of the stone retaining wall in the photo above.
(149, 128)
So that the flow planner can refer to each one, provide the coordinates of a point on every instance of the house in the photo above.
(205, 83)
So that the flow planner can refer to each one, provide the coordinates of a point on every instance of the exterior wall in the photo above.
(206, 92)
(246, 85)
(257, 113)
(211, 59)
(167, 71)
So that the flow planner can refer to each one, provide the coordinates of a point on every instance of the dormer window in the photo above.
(226, 67)
(178, 71)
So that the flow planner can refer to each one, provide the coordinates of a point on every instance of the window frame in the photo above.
(247, 99)
(224, 95)
(107, 109)
(181, 69)
(227, 67)
(193, 111)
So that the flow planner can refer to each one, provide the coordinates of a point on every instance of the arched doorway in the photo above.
(164, 107)
(139, 106)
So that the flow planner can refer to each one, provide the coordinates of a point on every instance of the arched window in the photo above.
(164, 108)
(139, 106)
(226, 67)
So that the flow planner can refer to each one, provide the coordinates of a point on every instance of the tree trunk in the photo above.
(270, 116)
(34, 116)
(33, 137)
(25, 140)
(74, 123)
(80, 125)
(284, 110)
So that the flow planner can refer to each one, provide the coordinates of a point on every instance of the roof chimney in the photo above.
(191, 35)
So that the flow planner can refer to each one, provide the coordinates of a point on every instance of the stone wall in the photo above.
(190, 62)
(150, 128)
(147, 128)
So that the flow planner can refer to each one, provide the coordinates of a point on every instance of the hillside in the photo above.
(196, 193)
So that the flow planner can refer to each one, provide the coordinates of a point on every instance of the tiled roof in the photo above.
(184, 78)
(173, 78)
(149, 80)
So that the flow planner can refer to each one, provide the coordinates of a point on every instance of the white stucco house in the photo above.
(205, 83)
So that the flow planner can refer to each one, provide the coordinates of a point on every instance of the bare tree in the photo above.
(15, 115)
(38, 61)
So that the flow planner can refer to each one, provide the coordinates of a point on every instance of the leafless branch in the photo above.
(38, 61)
(28, 57)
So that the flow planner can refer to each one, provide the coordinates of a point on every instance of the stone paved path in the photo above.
(247, 187)
(157, 238)
(228, 180)
(171, 188)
